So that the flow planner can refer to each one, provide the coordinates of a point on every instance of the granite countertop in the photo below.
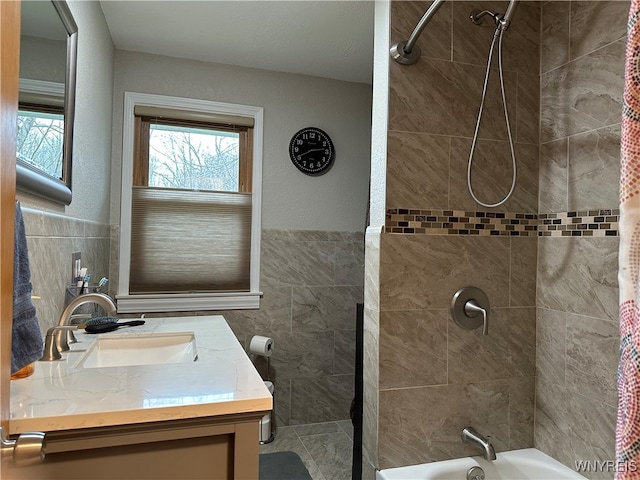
(61, 396)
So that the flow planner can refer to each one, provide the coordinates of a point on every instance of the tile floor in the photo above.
(325, 448)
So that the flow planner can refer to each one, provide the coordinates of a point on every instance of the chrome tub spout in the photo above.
(469, 435)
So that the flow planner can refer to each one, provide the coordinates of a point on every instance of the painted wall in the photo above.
(582, 67)
(335, 201)
(54, 232)
(42, 59)
(312, 241)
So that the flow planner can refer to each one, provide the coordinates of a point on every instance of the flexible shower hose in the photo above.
(498, 34)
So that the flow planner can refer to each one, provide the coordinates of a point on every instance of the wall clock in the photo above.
(311, 151)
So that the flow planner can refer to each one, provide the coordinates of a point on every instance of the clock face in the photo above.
(311, 150)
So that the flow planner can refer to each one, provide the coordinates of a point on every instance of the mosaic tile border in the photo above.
(582, 223)
(459, 222)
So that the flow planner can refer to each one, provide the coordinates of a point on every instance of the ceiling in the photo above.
(332, 39)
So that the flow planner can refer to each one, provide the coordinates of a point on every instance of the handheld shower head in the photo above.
(505, 21)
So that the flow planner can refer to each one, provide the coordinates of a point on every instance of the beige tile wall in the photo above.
(435, 378)
(554, 341)
(582, 66)
(311, 281)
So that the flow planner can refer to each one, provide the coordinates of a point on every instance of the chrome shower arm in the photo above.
(413, 38)
(408, 52)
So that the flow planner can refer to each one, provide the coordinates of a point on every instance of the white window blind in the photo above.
(186, 241)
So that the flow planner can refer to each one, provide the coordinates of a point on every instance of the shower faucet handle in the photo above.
(471, 309)
(467, 303)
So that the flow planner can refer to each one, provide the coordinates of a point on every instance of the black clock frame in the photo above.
(307, 141)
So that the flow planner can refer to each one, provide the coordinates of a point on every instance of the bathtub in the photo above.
(525, 464)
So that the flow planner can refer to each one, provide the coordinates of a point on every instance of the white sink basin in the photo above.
(122, 350)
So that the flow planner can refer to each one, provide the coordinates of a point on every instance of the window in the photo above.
(40, 139)
(190, 227)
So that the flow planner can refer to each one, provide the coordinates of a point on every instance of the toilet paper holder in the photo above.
(262, 346)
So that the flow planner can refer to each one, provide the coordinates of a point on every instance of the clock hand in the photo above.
(312, 150)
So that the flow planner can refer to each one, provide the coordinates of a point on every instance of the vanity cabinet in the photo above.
(206, 448)
(183, 421)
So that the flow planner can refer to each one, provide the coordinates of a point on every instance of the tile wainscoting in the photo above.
(51, 239)
(311, 281)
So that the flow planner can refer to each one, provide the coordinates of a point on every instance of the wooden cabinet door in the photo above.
(9, 67)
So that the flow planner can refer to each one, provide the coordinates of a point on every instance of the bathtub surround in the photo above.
(449, 244)
(582, 69)
(547, 259)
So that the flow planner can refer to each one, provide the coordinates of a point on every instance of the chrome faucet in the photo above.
(66, 336)
(469, 435)
(51, 352)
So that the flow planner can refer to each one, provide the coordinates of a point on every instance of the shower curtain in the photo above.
(628, 423)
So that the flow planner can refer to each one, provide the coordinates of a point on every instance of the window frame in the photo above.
(188, 301)
(44, 108)
(142, 137)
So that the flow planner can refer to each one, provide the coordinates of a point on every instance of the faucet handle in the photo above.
(466, 304)
(51, 352)
(471, 309)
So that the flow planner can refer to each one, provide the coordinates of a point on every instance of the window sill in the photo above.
(188, 302)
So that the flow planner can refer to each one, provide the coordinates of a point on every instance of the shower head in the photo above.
(477, 16)
(501, 21)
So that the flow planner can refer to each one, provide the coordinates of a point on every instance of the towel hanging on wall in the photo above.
(26, 337)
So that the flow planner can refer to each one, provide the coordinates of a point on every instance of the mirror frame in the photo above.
(28, 178)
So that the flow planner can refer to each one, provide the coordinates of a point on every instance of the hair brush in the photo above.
(108, 324)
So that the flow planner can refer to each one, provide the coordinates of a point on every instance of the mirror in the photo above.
(48, 51)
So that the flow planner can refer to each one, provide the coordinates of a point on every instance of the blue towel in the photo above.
(26, 338)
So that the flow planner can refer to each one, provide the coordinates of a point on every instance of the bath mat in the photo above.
(282, 466)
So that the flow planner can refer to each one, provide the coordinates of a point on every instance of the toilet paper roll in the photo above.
(261, 346)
